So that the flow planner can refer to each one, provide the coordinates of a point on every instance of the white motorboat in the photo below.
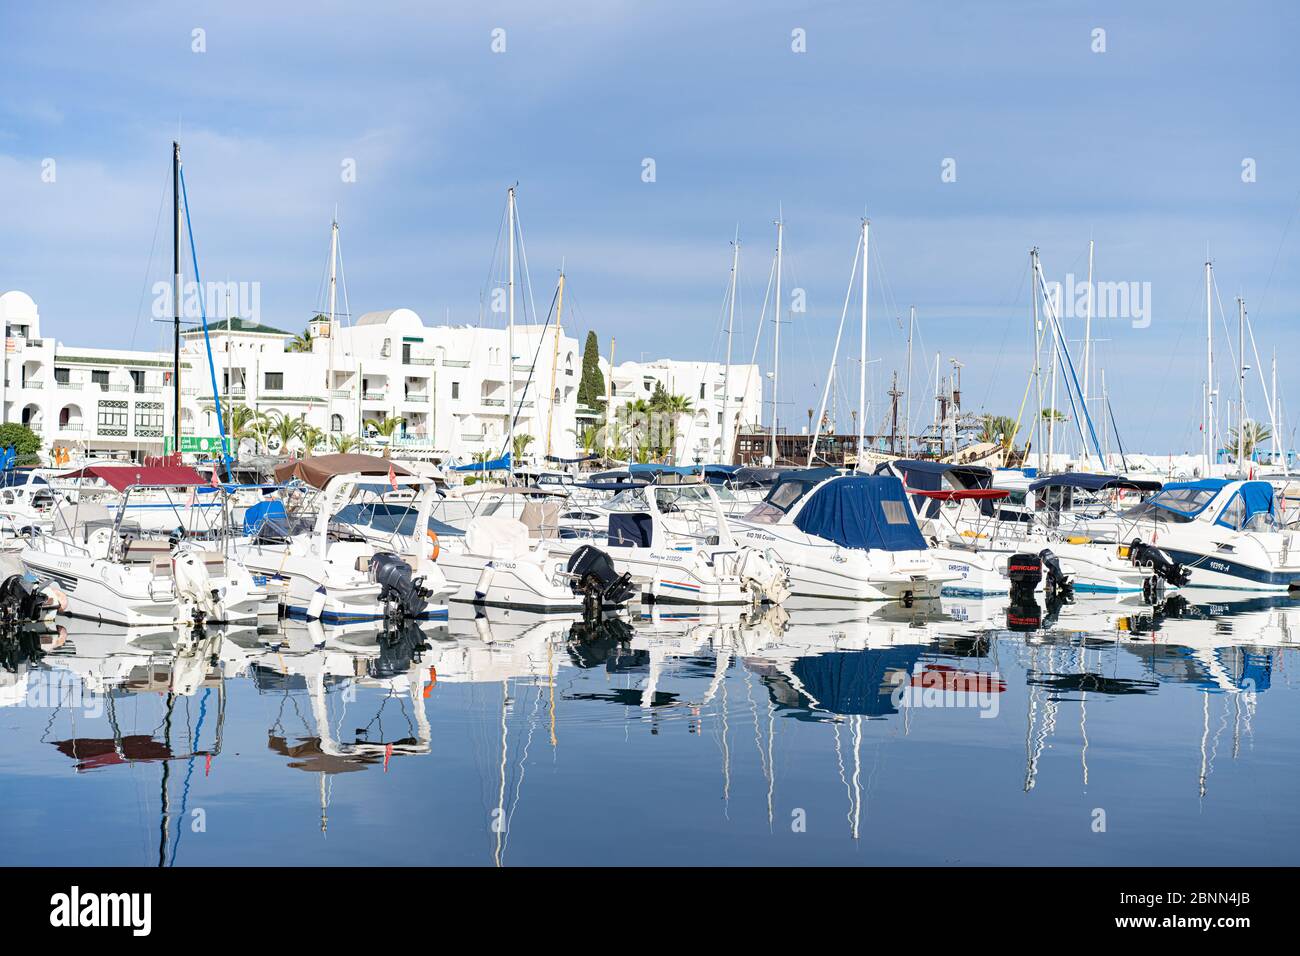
(673, 537)
(360, 556)
(110, 573)
(845, 537)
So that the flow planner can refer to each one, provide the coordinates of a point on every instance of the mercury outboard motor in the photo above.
(1162, 566)
(596, 580)
(1025, 571)
(403, 595)
(23, 601)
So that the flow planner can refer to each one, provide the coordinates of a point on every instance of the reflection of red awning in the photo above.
(91, 753)
(942, 677)
(964, 494)
(122, 477)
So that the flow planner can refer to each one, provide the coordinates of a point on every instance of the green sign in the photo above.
(194, 445)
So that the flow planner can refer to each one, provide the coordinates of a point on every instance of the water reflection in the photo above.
(509, 720)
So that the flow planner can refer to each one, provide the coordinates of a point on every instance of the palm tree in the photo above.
(999, 430)
(300, 343)
(286, 429)
(1052, 415)
(312, 438)
(520, 446)
(1255, 434)
(342, 444)
(386, 426)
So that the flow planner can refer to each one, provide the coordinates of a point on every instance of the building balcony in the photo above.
(72, 428)
(472, 436)
(33, 383)
(455, 363)
(421, 360)
(70, 384)
(494, 402)
(419, 398)
(372, 396)
(341, 393)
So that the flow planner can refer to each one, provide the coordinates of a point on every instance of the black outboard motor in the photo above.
(1024, 571)
(1023, 613)
(1058, 582)
(21, 602)
(596, 580)
(403, 594)
(1162, 566)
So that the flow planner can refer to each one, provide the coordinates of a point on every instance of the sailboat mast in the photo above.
(726, 369)
(609, 396)
(1241, 385)
(907, 424)
(862, 352)
(1087, 330)
(776, 338)
(1211, 441)
(1038, 382)
(176, 300)
(329, 373)
(555, 358)
(510, 341)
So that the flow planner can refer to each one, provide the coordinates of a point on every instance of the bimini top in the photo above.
(1074, 479)
(928, 475)
(121, 477)
(862, 511)
(319, 469)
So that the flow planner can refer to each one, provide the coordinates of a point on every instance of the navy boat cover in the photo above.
(862, 511)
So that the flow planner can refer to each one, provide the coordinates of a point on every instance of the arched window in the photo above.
(336, 423)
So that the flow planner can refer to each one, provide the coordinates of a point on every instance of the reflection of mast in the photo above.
(165, 801)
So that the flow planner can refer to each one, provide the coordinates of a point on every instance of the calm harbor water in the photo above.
(952, 732)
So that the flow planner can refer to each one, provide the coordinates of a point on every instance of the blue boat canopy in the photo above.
(1252, 499)
(922, 475)
(862, 511)
(496, 464)
(1094, 482)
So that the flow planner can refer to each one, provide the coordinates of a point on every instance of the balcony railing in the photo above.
(34, 383)
(455, 363)
(58, 384)
(341, 393)
(472, 436)
(416, 397)
(372, 396)
(74, 427)
(495, 402)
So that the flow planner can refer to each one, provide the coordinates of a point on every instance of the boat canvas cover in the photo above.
(499, 538)
(496, 464)
(863, 512)
(1095, 482)
(929, 476)
(317, 470)
(1256, 498)
(121, 477)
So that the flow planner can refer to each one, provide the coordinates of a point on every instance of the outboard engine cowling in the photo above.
(402, 594)
(1158, 560)
(1058, 582)
(1024, 571)
(596, 580)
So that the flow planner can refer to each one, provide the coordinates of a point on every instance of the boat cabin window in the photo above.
(1173, 505)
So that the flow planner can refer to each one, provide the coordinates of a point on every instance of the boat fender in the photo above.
(484, 581)
(317, 604)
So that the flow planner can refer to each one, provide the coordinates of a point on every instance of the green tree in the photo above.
(343, 444)
(591, 387)
(521, 444)
(312, 438)
(286, 429)
(998, 430)
(25, 442)
(1052, 415)
(300, 343)
(1255, 434)
(386, 427)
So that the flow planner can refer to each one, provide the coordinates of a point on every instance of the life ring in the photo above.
(433, 537)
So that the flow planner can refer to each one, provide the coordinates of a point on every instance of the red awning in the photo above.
(966, 494)
(122, 477)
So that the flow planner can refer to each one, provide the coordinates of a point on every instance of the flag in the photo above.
(216, 479)
(392, 477)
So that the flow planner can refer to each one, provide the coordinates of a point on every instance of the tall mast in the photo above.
(726, 369)
(1211, 441)
(1087, 330)
(1241, 385)
(862, 354)
(176, 299)
(555, 358)
(329, 374)
(609, 396)
(907, 424)
(510, 342)
(776, 338)
(1038, 382)
(1051, 422)
(1272, 409)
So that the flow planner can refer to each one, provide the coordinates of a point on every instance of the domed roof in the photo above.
(396, 319)
(17, 307)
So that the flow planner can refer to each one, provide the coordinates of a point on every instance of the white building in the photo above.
(448, 384)
(700, 436)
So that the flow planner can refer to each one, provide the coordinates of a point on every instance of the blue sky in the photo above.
(1139, 148)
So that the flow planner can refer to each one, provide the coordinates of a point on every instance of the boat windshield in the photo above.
(631, 499)
(783, 497)
(1173, 505)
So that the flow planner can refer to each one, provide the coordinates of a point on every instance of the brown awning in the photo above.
(122, 477)
(319, 469)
